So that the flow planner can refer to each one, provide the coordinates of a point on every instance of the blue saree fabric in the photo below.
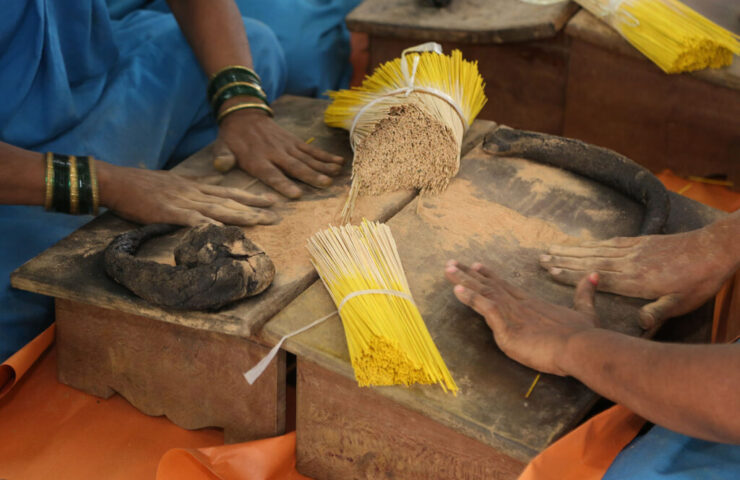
(126, 91)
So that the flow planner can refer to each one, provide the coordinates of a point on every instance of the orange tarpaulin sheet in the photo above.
(268, 459)
(716, 196)
(52, 431)
(13, 369)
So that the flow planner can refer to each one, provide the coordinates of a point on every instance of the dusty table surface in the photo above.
(465, 21)
(73, 268)
(503, 212)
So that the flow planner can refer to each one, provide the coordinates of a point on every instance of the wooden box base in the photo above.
(347, 432)
(192, 377)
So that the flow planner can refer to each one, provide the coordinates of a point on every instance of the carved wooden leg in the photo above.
(347, 432)
(191, 376)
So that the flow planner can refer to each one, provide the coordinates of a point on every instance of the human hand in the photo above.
(531, 331)
(157, 196)
(680, 271)
(272, 154)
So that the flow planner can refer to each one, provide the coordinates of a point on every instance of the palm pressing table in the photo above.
(188, 365)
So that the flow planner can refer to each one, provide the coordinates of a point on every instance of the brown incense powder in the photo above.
(465, 217)
(409, 148)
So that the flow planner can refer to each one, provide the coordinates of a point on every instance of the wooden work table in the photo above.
(189, 365)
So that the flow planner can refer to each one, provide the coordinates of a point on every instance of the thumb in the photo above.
(583, 301)
(654, 314)
(223, 158)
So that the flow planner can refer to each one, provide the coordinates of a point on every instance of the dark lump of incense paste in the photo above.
(214, 266)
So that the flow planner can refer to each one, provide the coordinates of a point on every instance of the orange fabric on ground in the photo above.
(268, 459)
(13, 369)
(588, 451)
(53, 431)
(717, 196)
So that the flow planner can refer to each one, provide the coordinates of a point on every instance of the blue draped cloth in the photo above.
(118, 81)
(662, 454)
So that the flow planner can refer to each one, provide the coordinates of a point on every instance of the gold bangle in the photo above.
(49, 180)
(74, 187)
(240, 67)
(233, 84)
(94, 181)
(244, 106)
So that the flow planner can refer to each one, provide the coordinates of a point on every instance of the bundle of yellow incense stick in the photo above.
(389, 344)
(407, 120)
(672, 35)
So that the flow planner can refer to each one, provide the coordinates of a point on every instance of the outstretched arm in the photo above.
(263, 149)
(136, 194)
(692, 389)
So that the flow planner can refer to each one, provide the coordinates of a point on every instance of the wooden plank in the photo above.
(626, 103)
(525, 82)
(356, 433)
(504, 212)
(468, 21)
(73, 268)
(192, 377)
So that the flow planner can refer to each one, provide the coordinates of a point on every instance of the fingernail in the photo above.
(324, 180)
(646, 320)
(594, 279)
(459, 289)
(556, 271)
(451, 269)
(545, 258)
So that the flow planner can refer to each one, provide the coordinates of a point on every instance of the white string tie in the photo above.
(410, 80)
(614, 6)
(255, 372)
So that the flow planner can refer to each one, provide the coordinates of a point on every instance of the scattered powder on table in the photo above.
(545, 178)
(409, 148)
(463, 215)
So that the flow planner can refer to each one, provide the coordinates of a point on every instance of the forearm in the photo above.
(724, 240)
(215, 32)
(22, 180)
(691, 389)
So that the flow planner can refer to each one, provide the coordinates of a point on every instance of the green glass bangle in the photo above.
(230, 76)
(60, 196)
(235, 91)
(84, 181)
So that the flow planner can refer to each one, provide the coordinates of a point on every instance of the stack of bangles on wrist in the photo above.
(234, 81)
(71, 184)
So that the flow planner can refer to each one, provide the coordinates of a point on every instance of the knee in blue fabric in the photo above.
(27, 231)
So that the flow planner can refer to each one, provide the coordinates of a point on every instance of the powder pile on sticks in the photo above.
(407, 120)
